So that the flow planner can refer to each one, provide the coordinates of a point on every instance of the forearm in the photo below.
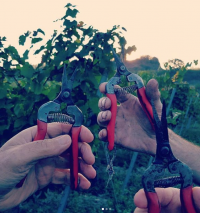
(187, 152)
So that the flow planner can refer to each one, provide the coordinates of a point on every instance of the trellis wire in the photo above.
(99, 94)
(63, 201)
(186, 115)
(129, 171)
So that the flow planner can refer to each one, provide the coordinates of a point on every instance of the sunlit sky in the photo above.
(166, 29)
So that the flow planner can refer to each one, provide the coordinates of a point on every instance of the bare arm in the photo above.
(187, 152)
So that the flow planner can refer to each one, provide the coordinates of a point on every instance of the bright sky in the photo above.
(165, 29)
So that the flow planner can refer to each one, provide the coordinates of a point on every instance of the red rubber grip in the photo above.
(153, 202)
(111, 125)
(40, 135)
(41, 130)
(74, 157)
(146, 105)
(186, 200)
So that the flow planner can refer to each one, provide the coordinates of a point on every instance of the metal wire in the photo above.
(110, 168)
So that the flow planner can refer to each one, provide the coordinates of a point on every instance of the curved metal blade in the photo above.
(67, 84)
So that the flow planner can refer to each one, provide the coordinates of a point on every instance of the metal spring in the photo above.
(60, 118)
(168, 182)
(126, 90)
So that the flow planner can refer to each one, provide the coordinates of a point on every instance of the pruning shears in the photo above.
(165, 160)
(110, 93)
(50, 112)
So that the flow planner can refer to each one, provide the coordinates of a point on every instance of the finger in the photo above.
(30, 153)
(153, 93)
(104, 103)
(86, 135)
(140, 199)
(87, 170)
(168, 196)
(84, 168)
(56, 129)
(138, 210)
(62, 176)
(103, 135)
(86, 153)
(53, 130)
(103, 118)
(102, 87)
(27, 135)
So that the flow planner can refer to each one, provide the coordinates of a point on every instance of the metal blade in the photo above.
(164, 123)
(68, 84)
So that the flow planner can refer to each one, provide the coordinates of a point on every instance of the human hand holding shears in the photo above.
(127, 124)
(169, 199)
(42, 162)
(51, 111)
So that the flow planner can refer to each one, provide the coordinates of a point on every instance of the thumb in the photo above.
(30, 152)
(153, 93)
(152, 90)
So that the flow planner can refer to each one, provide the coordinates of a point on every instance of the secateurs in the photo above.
(49, 112)
(165, 160)
(110, 93)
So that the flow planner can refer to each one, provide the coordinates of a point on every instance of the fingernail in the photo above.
(103, 103)
(104, 115)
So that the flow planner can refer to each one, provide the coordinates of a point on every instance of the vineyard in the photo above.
(24, 88)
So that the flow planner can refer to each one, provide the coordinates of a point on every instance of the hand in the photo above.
(169, 199)
(132, 129)
(42, 162)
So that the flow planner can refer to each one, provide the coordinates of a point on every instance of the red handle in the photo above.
(153, 202)
(186, 200)
(41, 132)
(111, 125)
(74, 157)
(146, 105)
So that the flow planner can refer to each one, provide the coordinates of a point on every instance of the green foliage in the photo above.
(25, 88)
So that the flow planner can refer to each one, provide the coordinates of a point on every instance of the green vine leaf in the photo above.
(22, 38)
(27, 70)
(36, 40)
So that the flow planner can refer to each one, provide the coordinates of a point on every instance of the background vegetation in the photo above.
(24, 88)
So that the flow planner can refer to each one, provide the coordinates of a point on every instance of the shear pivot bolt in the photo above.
(165, 151)
(66, 94)
(122, 68)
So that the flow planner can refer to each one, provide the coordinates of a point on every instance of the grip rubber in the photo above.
(74, 157)
(41, 130)
(146, 105)
(153, 202)
(111, 125)
(186, 200)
